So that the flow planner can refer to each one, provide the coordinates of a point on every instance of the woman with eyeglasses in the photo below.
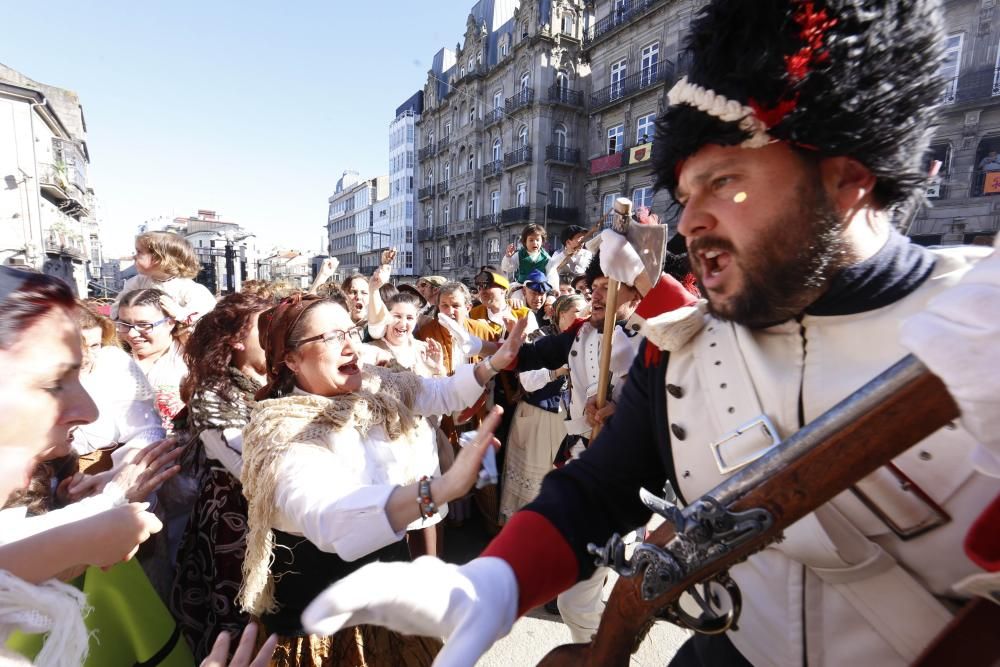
(332, 474)
(128, 419)
(157, 345)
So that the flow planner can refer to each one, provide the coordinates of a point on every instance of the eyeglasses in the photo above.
(141, 327)
(483, 285)
(337, 336)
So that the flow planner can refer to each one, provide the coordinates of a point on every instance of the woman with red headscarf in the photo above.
(331, 473)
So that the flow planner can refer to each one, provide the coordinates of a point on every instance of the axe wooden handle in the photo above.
(604, 374)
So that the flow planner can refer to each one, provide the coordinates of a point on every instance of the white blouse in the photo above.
(335, 495)
(127, 414)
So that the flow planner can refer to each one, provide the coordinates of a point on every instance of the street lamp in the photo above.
(231, 239)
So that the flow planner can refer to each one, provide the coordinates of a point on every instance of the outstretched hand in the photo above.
(507, 353)
(470, 606)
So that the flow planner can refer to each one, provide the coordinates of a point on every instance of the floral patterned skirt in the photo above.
(210, 564)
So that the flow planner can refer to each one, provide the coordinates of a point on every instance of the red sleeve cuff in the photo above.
(667, 294)
(540, 556)
(982, 544)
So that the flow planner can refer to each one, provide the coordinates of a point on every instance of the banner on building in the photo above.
(640, 153)
(992, 183)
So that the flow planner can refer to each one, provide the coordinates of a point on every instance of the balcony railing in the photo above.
(441, 231)
(425, 234)
(425, 192)
(562, 154)
(426, 152)
(510, 216)
(975, 86)
(493, 116)
(647, 78)
(620, 15)
(491, 169)
(463, 227)
(488, 221)
(562, 214)
(606, 163)
(514, 158)
(442, 188)
(523, 98)
(443, 142)
(563, 95)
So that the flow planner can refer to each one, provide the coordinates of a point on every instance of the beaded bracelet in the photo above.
(427, 507)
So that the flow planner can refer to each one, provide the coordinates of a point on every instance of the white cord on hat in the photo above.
(730, 111)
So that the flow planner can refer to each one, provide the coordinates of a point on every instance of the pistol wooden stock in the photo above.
(880, 421)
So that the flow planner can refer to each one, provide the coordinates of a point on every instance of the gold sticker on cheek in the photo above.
(740, 197)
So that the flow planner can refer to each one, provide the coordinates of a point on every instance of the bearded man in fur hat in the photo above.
(791, 147)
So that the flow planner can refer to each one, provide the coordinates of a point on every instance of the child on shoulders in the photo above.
(167, 262)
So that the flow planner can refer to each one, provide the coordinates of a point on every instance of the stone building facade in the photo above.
(501, 134)
(964, 199)
(633, 50)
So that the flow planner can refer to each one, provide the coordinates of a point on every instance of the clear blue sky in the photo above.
(251, 108)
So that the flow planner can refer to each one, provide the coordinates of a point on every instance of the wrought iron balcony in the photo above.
(426, 152)
(562, 214)
(562, 154)
(425, 192)
(624, 13)
(514, 158)
(442, 187)
(441, 231)
(563, 95)
(975, 86)
(463, 227)
(443, 142)
(488, 221)
(619, 90)
(493, 116)
(425, 234)
(523, 98)
(491, 169)
(510, 216)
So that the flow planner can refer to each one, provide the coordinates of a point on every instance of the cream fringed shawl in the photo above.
(385, 399)
(51, 607)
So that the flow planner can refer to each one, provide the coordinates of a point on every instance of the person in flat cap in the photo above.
(494, 308)
(791, 147)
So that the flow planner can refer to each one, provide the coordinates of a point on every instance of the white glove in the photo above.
(470, 607)
(958, 338)
(469, 343)
(619, 260)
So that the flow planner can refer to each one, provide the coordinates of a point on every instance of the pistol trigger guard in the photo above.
(711, 621)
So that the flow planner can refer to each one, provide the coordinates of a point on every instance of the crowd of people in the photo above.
(250, 450)
(285, 464)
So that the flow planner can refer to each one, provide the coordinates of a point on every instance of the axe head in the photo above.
(649, 241)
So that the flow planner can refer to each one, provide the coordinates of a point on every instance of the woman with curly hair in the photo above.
(227, 366)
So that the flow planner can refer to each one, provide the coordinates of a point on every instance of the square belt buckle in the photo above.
(745, 444)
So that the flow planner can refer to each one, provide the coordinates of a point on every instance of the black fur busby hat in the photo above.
(854, 78)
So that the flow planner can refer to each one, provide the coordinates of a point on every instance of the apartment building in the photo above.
(633, 48)
(964, 206)
(501, 133)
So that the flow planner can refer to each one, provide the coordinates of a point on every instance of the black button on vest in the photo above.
(678, 431)
(675, 391)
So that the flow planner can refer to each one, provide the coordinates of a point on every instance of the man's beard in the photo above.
(789, 268)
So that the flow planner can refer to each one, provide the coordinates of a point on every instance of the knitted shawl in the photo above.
(385, 399)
